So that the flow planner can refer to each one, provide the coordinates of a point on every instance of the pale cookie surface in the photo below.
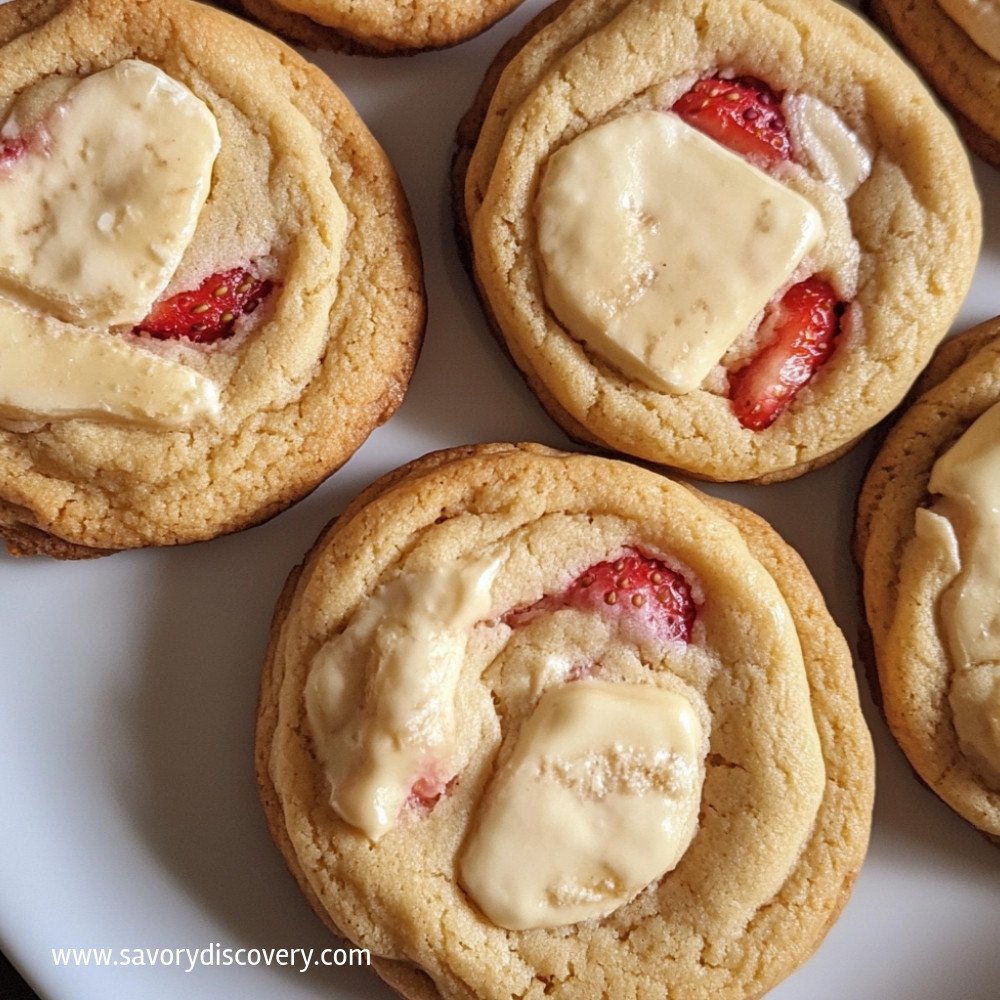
(917, 547)
(966, 75)
(872, 153)
(747, 741)
(380, 27)
(116, 434)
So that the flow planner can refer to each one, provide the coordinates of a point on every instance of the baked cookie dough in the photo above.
(210, 286)
(956, 45)
(631, 290)
(927, 548)
(378, 27)
(539, 724)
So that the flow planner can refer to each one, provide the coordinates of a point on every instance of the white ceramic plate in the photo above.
(128, 816)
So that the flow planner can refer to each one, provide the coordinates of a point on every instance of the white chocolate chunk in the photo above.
(381, 695)
(93, 224)
(599, 797)
(965, 524)
(660, 247)
(55, 372)
(824, 142)
(980, 20)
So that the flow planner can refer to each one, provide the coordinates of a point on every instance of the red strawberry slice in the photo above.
(35, 139)
(209, 312)
(581, 671)
(426, 791)
(743, 114)
(804, 323)
(11, 150)
(644, 596)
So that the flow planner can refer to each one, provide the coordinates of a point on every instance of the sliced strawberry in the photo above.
(804, 325)
(743, 114)
(13, 149)
(35, 139)
(581, 671)
(209, 312)
(426, 791)
(646, 598)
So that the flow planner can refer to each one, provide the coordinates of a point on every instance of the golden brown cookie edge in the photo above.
(303, 30)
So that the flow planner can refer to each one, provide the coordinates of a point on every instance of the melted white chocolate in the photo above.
(97, 212)
(599, 797)
(964, 526)
(56, 372)
(824, 142)
(660, 247)
(381, 695)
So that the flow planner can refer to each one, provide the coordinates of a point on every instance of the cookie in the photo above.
(763, 276)
(533, 722)
(382, 27)
(210, 283)
(924, 545)
(956, 45)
